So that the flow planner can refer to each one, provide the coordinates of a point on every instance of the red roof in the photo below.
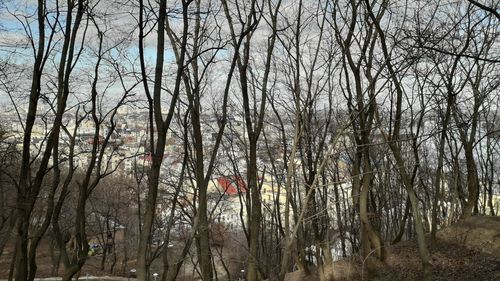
(231, 185)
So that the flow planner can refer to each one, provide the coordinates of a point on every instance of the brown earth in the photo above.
(44, 264)
(466, 251)
(92, 267)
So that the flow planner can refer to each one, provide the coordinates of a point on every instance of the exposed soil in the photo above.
(450, 262)
(466, 251)
(469, 250)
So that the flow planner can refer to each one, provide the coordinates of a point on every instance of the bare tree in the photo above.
(29, 186)
(102, 150)
(157, 121)
(360, 75)
(254, 96)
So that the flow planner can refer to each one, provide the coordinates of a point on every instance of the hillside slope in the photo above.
(466, 251)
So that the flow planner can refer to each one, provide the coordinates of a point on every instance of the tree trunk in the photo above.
(422, 246)
(419, 227)
(204, 238)
(472, 184)
(21, 260)
(338, 211)
(402, 224)
(6, 231)
(145, 234)
(256, 214)
(104, 254)
(326, 269)
(438, 179)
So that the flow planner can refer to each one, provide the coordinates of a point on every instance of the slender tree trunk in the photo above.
(103, 258)
(338, 212)
(145, 234)
(204, 238)
(402, 225)
(256, 214)
(472, 184)
(438, 179)
(370, 235)
(419, 227)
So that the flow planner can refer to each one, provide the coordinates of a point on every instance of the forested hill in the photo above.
(173, 140)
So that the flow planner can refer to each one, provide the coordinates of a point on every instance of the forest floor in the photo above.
(92, 266)
(466, 251)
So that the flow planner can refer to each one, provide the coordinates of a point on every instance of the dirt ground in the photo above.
(44, 264)
(467, 251)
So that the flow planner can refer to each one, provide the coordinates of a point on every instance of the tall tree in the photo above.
(254, 103)
(361, 74)
(28, 186)
(158, 123)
